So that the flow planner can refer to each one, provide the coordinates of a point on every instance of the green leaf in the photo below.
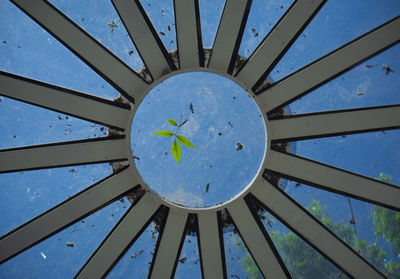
(185, 141)
(164, 133)
(176, 151)
(172, 122)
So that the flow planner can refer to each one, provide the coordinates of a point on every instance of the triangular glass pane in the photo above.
(337, 23)
(189, 260)
(30, 193)
(368, 154)
(100, 20)
(263, 16)
(63, 254)
(33, 125)
(372, 83)
(210, 16)
(302, 260)
(239, 262)
(138, 257)
(360, 224)
(162, 16)
(32, 52)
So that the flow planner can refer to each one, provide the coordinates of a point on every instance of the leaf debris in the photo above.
(387, 69)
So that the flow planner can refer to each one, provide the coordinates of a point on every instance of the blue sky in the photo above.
(27, 50)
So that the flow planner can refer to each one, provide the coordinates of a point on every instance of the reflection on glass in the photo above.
(369, 229)
(239, 262)
(100, 20)
(337, 23)
(189, 260)
(34, 125)
(63, 254)
(372, 83)
(379, 153)
(28, 194)
(138, 257)
(219, 118)
(300, 258)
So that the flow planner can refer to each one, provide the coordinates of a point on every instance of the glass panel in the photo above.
(63, 254)
(27, 50)
(372, 83)
(239, 262)
(162, 16)
(100, 20)
(337, 23)
(300, 258)
(35, 125)
(380, 153)
(223, 124)
(189, 260)
(263, 16)
(138, 257)
(361, 225)
(210, 16)
(30, 193)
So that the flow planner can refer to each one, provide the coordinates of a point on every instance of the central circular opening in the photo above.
(198, 139)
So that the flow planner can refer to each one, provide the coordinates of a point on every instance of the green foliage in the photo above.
(251, 269)
(387, 222)
(175, 147)
(303, 261)
(176, 151)
(164, 133)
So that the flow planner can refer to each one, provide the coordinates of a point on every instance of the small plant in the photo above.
(176, 148)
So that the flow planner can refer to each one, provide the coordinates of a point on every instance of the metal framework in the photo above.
(191, 57)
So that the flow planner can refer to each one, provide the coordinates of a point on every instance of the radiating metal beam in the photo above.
(211, 246)
(82, 204)
(333, 123)
(95, 55)
(64, 100)
(311, 230)
(331, 65)
(188, 34)
(144, 36)
(333, 179)
(167, 254)
(120, 238)
(257, 241)
(229, 35)
(277, 42)
(62, 154)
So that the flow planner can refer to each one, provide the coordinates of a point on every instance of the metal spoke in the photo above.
(333, 179)
(188, 33)
(120, 238)
(167, 253)
(145, 38)
(330, 66)
(82, 204)
(211, 246)
(85, 47)
(312, 231)
(333, 123)
(62, 154)
(64, 100)
(277, 42)
(257, 241)
(229, 35)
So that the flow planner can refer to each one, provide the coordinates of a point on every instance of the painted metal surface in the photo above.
(190, 54)
(66, 213)
(145, 38)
